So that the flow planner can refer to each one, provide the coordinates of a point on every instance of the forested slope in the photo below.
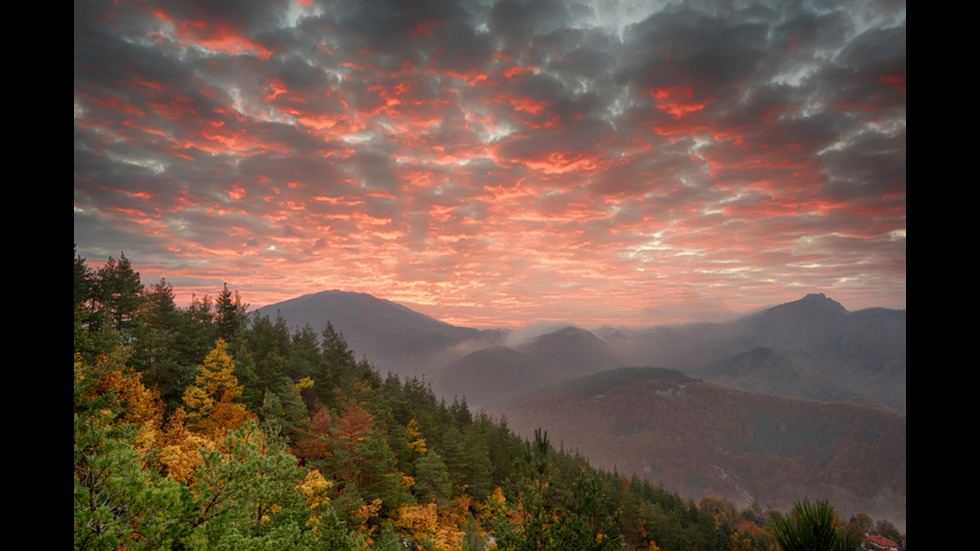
(204, 427)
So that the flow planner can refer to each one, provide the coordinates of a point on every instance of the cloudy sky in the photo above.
(498, 162)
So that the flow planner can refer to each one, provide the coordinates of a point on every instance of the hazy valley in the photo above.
(802, 399)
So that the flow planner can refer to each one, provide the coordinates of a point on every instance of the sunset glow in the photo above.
(497, 162)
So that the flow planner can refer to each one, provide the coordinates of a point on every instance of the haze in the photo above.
(498, 162)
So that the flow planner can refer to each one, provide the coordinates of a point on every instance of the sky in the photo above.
(498, 162)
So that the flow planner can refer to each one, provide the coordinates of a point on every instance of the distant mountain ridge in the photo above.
(763, 435)
(862, 352)
(573, 352)
(845, 356)
(491, 375)
(500, 373)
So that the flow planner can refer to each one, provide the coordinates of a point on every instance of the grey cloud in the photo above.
(518, 20)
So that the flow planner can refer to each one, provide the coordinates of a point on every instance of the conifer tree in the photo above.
(211, 399)
(476, 465)
(432, 479)
(230, 314)
(118, 293)
(117, 502)
(163, 349)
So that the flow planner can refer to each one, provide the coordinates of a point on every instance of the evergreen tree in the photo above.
(117, 292)
(476, 462)
(339, 371)
(230, 314)
(162, 349)
(304, 358)
(432, 479)
(117, 503)
(83, 292)
(455, 455)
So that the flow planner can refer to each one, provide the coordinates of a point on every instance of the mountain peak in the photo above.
(391, 335)
(820, 300)
(578, 350)
(813, 305)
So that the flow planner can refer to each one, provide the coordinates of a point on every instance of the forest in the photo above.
(207, 427)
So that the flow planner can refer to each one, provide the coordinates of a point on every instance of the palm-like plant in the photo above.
(811, 527)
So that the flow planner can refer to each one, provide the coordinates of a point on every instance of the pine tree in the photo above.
(432, 479)
(338, 367)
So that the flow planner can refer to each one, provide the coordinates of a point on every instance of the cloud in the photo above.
(531, 160)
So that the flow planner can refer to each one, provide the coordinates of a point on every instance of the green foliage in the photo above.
(327, 452)
(432, 479)
(229, 316)
(117, 503)
(167, 346)
(83, 294)
(117, 293)
(811, 526)
(561, 506)
(247, 497)
(476, 468)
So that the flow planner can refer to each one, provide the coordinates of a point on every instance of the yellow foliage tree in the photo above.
(440, 527)
(143, 406)
(211, 399)
(304, 383)
(412, 431)
(180, 448)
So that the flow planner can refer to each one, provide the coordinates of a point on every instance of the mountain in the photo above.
(500, 373)
(391, 336)
(699, 438)
(491, 375)
(680, 426)
(862, 352)
(572, 352)
(764, 370)
(851, 356)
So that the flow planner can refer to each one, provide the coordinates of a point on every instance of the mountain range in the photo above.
(863, 352)
(810, 348)
(802, 399)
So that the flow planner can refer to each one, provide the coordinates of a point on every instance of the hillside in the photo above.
(491, 375)
(499, 374)
(572, 352)
(393, 337)
(764, 370)
(700, 438)
(707, 438)
(208, 428)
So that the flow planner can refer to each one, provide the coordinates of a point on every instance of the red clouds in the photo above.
(213, 36)
(555, 170)
(678, 101)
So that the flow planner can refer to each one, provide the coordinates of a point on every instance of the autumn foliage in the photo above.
(203, 428)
